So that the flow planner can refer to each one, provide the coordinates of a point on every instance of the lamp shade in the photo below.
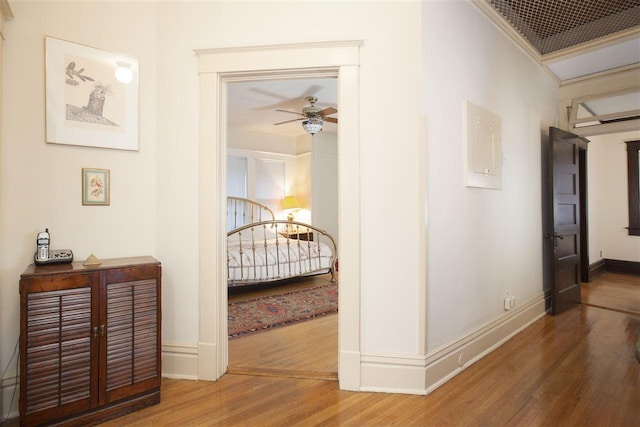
(290, 202)
(312, 125)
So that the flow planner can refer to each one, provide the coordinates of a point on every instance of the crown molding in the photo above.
(503, 25)
(507, 28)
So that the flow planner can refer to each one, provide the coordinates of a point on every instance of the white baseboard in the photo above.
(420, 374)
(180, 360)
(448, 361)
(393, 373)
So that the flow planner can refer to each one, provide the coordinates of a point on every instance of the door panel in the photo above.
(131, 355)
(564, 207)
(567, 247)
(58, 347)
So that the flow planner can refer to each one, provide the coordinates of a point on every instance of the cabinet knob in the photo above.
(103, 330)
(95, 332)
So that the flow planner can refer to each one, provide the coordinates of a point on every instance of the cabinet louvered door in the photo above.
(131, 355)
(58, 347)
(89, 341)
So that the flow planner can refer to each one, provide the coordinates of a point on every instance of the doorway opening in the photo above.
(286, 327)
(216, 68)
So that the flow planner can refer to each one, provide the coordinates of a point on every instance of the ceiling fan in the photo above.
(312, 117)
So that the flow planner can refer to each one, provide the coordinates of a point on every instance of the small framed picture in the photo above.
(95, 187)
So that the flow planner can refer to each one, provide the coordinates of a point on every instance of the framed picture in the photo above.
(91, 96)
(95, 187)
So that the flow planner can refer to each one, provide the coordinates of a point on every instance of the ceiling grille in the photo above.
(551, 25)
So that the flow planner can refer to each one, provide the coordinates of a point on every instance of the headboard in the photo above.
(241, 211)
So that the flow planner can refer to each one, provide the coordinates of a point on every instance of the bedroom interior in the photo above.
(259, 136)
(403, 72)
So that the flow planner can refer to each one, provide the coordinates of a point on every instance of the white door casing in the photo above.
(217, 67)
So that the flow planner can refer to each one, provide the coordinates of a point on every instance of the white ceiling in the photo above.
(620, 54)
(252, 105)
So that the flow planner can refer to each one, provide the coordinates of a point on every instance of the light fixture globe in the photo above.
(312, 125)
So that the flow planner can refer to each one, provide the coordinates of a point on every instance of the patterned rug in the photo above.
(259, 314)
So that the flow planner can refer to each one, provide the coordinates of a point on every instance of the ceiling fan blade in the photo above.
(288, 121)
(330, 119)
(327, 111)
(292, 112)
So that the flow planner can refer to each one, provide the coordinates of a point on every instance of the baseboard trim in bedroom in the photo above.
(180, 361)
(420, 374)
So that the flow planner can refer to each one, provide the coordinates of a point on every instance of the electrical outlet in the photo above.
(507, 302)
(512, 301)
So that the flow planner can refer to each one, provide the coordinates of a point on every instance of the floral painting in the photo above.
(95, 186)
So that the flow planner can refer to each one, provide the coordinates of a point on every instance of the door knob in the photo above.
(554, 237)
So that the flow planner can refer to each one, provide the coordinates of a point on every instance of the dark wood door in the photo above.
(564, 218)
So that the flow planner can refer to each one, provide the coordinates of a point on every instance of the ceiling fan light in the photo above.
(312, 125)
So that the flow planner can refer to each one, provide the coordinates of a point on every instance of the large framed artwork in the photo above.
(92, 96)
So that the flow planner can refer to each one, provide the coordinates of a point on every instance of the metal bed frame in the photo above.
(254, 224)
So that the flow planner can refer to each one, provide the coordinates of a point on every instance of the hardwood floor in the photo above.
(576, 368)
(613, 291)
(303, 350)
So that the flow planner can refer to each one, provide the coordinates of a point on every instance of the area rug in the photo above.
(259, 314)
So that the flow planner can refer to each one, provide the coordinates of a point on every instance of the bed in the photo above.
(263, 249)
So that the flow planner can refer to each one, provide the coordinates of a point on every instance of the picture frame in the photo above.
(96, 187)
(91, 96)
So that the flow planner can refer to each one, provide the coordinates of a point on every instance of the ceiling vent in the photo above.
(553, 25)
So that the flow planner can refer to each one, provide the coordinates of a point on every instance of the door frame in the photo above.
(584, 213)
(217, 67)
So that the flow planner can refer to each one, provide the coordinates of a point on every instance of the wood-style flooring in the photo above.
(302, 350)
(574, 369)
(614, 292)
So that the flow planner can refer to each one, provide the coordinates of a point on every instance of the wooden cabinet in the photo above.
(89, 340)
